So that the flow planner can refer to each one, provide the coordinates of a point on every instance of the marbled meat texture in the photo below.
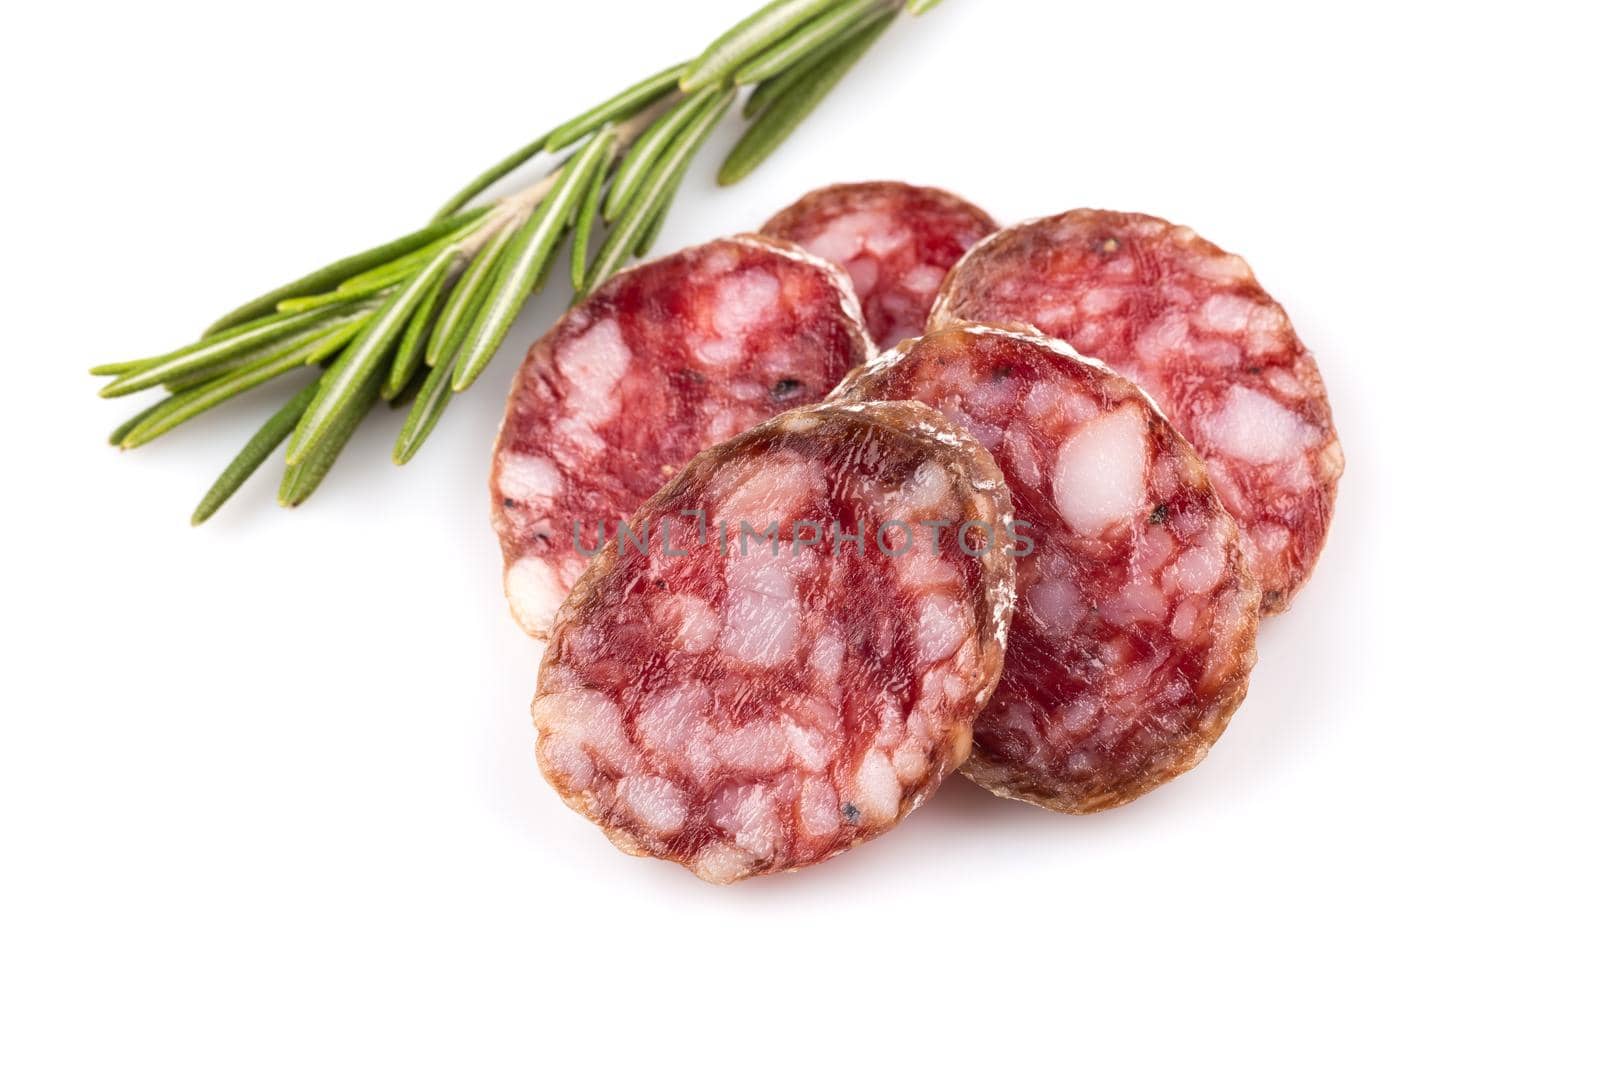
(658, 363)
(896, 241)
(1189, 323)
(1135, 625)
(763, 706)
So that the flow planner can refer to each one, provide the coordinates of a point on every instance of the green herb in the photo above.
(262, 444)
(632, 226)
(780, 118)
(444, 296)
(814, 36)
(531, 250)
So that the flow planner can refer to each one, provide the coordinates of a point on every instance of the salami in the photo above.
(897, 242)
(794, 658)
(1191, 324)
(663, 360)
(1135, 624)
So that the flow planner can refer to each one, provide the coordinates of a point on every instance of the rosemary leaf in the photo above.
(116, 370)
(181, 407)
(778, 86)
(629, 101)
(334, 273)
(259, 369)
(299, 340)
(583, 227)
(525, 260)
(921, 7)
(255, 452)
(301, 479)
(382, 276)
(329, 344)
(346, 380)
(748, 38)
(310, 303)
(636, 165)
(658, 216)
(776, 123)
(625, 235)
(466, 298)
(490, 176)
(121, 431)
(430, 403)
(403, 399)
(408, 357)
(217, 349)
(226, 367)
(815, 35)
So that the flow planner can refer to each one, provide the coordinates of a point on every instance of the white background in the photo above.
(267, 791)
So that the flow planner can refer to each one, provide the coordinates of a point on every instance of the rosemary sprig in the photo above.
(442, 298)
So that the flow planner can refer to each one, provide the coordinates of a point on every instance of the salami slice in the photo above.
(663, 360)
(1135, 625)
(897, 242)
(790, 664)
(1191, 324)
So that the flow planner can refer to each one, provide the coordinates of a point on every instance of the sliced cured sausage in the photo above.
(1191, 324)
(658, 363)
(788, 665)
(1135, 625)
(897, 242)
